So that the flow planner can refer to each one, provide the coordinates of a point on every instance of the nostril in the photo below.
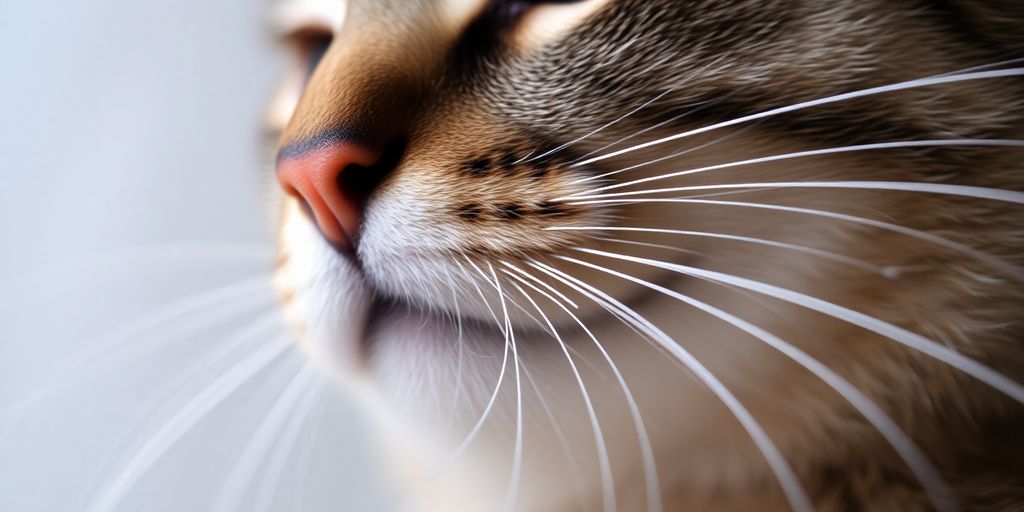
(358, 182)
(333, 181)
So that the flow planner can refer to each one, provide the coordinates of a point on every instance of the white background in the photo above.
(133, 177)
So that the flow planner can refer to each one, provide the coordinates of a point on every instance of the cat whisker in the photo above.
(547, 286)
(697, 108)
(472, 280)
(460, 342)
(745, 293)
(461, 281)
(601, 128)
(574, 467)
(226, 352)
(150, 320)
(234, 490)
(984, 67)
(806, 154)
(304, 459)
(993, 194)
(726, 193)
(677, 154)
(112, 494)
(517, 450)
(922, 468)
(429, 284)
(176, 251)
(902, 336)
(607, 480)
(475, 431)
(1010, 269)
(706, 104)
(643, 244)
(652, 486)
(911, 84)
(747, 239)
(791, 487)
(651, 482)
(286, 445)
(514, 303)
(524, 158)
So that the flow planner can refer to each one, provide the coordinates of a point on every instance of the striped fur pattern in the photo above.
(562, 168)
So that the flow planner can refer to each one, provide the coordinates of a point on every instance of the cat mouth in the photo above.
(484, 307)
(388, 293)
(388, 307)
(390, 316)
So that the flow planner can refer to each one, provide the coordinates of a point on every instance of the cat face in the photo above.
(658, 189)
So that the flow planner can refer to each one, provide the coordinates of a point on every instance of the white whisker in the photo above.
(787, 479)
(922, 468)
(304, 459)
(234, 489)
(514, 303)
(675, 118)
(921, 82)
(480, 292)
(747, 239)
(547, 286)
(812, 153)
(457, 393)
(110, 496)
(227, 351)
(150, 320)
(286, 444)
(677, 154)
(175, 252)
(985, 66)
(475, 431)
(904, 337)
(517, 450)
(994, 194)
(1013, 270)
(643, 244)
(602, 128)
(607, 480)
(646, 451)
(574, 467)
(523, 159)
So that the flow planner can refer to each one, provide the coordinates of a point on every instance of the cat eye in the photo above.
(506, 13)
(519, 6)
(523, 5)
(311, 45)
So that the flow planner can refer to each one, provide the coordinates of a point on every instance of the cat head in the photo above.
(466, 171)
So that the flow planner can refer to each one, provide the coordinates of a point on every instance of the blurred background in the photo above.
(137, 244)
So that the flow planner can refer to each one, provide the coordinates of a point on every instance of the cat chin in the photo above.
(339, 316)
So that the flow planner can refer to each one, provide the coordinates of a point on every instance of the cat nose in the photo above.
(334, 181)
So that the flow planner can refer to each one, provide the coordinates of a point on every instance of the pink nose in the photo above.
(334, 181)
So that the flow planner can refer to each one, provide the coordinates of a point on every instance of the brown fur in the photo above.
(470, 99)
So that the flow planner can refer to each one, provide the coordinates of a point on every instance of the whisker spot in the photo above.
(510, 211)
(470, 212)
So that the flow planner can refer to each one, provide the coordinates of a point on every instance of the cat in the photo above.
(665, 255)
